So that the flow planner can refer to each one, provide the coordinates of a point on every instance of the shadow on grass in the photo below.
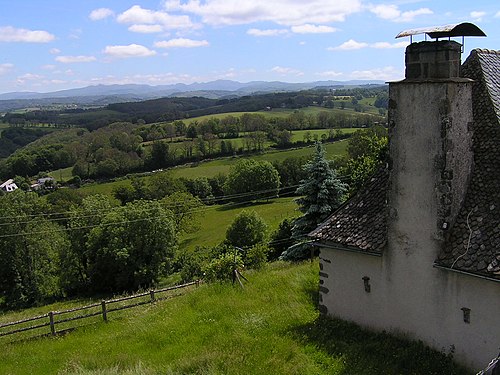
(232, 206)
(366, 352)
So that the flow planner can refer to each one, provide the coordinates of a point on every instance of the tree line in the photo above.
(119, 148)
(171, 109)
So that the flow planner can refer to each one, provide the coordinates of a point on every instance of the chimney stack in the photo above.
(433, 60)
(430, 113)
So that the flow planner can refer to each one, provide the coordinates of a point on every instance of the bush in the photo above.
(247, 229)
(256, 256)
(221, 268)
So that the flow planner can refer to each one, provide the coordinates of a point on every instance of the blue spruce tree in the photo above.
(321, 193)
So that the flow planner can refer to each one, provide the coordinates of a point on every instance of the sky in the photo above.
(50, 45)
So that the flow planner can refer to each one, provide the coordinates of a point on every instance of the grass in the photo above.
(3, 126)
(216, 219)
(214, 167)
(63, 174)
(270, 327)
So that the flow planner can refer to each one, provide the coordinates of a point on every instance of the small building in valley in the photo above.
(417, 250)
(9, 186)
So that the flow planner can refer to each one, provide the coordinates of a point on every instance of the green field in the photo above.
(270, 327)
(214, 220)
(63, 174)
(283, 112)
(214, 167)
(3, 126)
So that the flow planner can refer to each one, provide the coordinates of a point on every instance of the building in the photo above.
(9, 186)
(43, 183)
(417, 251)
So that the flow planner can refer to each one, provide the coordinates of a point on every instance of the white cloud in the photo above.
(54, 51)
(477, 15)
(351, 44)
(392, 13)
(330, 74)
(100, 14)
(286, 71)
(140, 16)
(387, 45)
(74, 59)
(4, 68)
(313, 29)
(497, 15)
(267, 32)
(28, 77)
(282, 12)
(146, 29)
(11, 34)
(48, 67)
(132, 50)
(181, 43)
(387, 73)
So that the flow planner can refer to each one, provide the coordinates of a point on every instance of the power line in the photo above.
(206, 208)
(207, 200)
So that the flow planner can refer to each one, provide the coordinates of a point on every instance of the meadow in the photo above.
(272, 326)
(211, 168)
(214, 220)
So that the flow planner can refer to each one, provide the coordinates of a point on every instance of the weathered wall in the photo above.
(427, 306)
(430, 166)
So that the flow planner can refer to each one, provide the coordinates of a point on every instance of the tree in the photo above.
(281, 239)
(365, 150)
(250, 176)
(30, 248)
(131, 247)
(247, 229)
(322, 192)
(186, 209)
(160, 155)
(76, 261)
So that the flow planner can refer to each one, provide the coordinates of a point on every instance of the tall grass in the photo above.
(270, 327)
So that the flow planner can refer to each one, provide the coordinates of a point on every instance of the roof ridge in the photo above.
(486, 51)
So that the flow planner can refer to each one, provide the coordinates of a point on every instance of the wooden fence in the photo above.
(54, 318)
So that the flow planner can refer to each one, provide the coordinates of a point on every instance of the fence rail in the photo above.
(103, 308)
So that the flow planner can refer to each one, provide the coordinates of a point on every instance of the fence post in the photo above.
(52, 325)
(152, 294)
(197, 283)
(104, 311)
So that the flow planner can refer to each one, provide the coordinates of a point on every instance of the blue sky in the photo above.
(53, 45)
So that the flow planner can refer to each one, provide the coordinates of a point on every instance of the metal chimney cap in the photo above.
(446, 31)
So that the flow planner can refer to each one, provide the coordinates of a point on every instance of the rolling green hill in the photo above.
(272, 326)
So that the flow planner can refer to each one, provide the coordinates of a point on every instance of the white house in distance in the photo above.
(417, 250)
(9, 186)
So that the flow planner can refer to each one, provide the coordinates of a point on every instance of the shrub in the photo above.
(221, 268)
(256, 256)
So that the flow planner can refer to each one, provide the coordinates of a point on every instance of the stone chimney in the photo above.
(430, 113)
(433, 60)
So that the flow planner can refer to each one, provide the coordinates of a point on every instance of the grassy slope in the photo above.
(270, 327)
(216, 219)
(214, 167)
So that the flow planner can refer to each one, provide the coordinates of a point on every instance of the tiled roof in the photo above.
(360, 223)
(473, 242)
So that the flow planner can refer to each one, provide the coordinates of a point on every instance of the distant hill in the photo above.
(101, 95)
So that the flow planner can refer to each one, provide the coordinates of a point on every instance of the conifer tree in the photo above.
(321, 193)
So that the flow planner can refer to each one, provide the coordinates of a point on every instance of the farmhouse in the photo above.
(417, 251)
(9, 186)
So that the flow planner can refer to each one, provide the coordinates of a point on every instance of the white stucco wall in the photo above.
(423, 305)
(429, 134)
